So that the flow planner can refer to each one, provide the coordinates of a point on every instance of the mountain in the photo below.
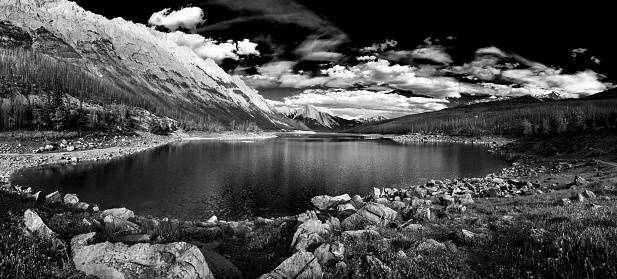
(148, 67)
(318, 120)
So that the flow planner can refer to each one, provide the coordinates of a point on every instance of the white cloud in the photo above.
(366, 58)
(213, 49)
(436, 54)
(379, 47)
(362, 103)
(188, 18)
(317, 49)
(339, 71)
(585, 82)
(246, 47)
(491, 50)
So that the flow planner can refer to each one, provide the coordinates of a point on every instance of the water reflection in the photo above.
(235, 180)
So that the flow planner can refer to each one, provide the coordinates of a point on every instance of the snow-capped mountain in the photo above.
(317, 119)
(371, 119)
(134, 57)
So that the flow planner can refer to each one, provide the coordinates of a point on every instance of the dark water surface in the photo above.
(242, 179)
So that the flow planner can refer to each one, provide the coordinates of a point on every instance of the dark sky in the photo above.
(538, 47)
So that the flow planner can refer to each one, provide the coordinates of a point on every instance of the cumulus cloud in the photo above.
(213, 49)
(188, 18)
(595, 60)
(362, 103)
(436, 54)
(366, 58)
(379, 47)
(585, 82)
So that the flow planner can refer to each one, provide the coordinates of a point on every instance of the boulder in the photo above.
(371, 213)
(588, 194)
(330, 253)
(308, 235)
(579, 181)
(420, 203)
(35, 224)
(71, 199)
(301, 265)
(118, 260)
(38, 196)
(357, 201)
(326, 202)
(213, 219)
(54, 197)
(464, 199)
(375, 193)
(70, 148)
(456, 209)
(120, 225)
(471, 236)
(345, 207)
(82, 205)
(446, 200)
(121, 213)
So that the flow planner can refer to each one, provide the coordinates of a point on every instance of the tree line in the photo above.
(509, 119)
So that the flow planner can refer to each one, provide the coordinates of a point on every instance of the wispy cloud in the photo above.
(433, 53)
(188, 18)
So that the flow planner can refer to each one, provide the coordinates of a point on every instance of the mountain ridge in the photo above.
(133, 56)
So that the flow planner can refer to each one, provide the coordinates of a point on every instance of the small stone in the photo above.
(588, 194)
(70, 148)
(121, 213)
(54, 197)
(579, 181)
(213, 219)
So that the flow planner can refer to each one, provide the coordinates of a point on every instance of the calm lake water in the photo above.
(193, 180)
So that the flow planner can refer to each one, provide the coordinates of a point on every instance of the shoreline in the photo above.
(127, 145)
(491, 141)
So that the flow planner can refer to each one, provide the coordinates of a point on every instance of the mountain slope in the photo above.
(145, 63)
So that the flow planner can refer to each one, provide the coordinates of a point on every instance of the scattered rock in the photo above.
(71, 199)
(471, 236)
(70, 148)
(82, 206)
(35, 224)
(213, 219)
(301, 265)
(423, 213)
(456, 208)
(325, 202)
(371, 213)
(121, 213)
(579, 181)
(308, 235)
(117, 260)
(588, 194)
(54, 197)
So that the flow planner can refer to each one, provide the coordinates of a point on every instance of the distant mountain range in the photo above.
(318, 120)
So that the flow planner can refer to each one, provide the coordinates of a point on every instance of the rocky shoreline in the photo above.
(352, 218)
(491, 141)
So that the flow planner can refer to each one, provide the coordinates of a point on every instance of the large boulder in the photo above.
(35, 224)
(308, 236)
(302, 265)
(326, 202)
(71, 199)
(371, 213)
(220, 266)
(121, 213)
(118, 260)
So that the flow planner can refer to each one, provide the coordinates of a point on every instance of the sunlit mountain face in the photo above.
(364, 60)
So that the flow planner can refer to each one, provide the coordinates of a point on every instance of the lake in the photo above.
(193, 180)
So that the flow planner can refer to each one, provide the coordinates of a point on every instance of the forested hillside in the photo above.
(520, 116)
